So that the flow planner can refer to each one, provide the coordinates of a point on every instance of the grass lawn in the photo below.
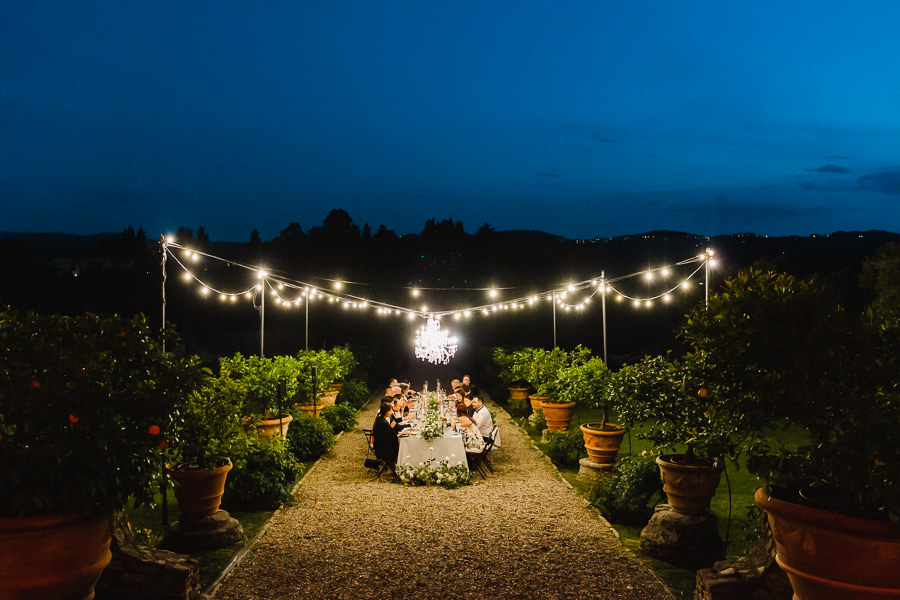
(736, 510)
(149, 530)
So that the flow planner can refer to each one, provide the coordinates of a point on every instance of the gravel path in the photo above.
(521, 533)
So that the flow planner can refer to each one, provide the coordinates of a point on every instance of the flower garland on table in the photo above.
(434, 425)
(431, 472)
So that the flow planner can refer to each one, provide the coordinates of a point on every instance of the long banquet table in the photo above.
(414, 450)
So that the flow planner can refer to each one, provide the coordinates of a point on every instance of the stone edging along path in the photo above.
(521, 533)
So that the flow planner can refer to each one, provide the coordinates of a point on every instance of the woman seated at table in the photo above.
(384, 433)
(472, 438)
(399, 412)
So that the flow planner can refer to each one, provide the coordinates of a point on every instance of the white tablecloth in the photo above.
(414, 450)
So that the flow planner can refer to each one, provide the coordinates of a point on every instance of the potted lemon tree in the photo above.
(543, 374)
(832, 489)
(203, 433)
(682, 414)
(587, 382)
(84, 402)
(514, 365)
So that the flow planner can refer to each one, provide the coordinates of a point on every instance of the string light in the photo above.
(560, 296)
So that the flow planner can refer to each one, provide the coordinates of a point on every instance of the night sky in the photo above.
(579, 118)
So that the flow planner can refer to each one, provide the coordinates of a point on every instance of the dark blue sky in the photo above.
(581, 118)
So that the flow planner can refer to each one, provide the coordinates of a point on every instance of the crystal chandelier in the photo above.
(434, 345)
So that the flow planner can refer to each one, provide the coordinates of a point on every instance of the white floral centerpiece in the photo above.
(434, 425)
(432, 472)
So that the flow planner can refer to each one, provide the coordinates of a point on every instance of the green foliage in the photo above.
(543, 371)
(207, 426)
(308, 437)
(782, 350)
(274, 384)
(269, 382)
(341, 417)
(262, 476)
(585, 381)
(432, 472)
(565, 447)
(630, 493)
(514, 365)
(354, 393)
(519, 407)
(540, 423)
(327, 368)
(346, 360)
(85, 404)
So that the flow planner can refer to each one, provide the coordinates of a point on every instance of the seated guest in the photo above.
(404, 387)
(467, 402)
(482, 417)
(457, 394)
(384, 434)
(389, 391)
(397, 412)
(472, 438)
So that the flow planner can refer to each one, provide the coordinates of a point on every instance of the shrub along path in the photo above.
(521, 533)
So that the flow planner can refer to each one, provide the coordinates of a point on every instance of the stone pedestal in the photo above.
(593, 472)
(687, 541)
(138, 572)
(208, 533)
(754, 576)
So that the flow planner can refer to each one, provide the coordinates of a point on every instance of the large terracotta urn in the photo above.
(558, 415)
(199, 491)
(274, 426)
(328, 399)
(602, 441)
(688, 486)
(518, 393)
(537, 402)
(830, 556)
(56, 557)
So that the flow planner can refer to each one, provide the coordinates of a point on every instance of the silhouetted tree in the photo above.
(484, 230)
(202, 238)
(338, 225)
(184, 236)
(384, 234)
(291, 233)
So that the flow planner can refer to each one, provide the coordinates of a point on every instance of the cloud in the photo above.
(831, 168)
(887, 182)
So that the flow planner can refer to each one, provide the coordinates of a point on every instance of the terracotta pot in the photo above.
(310, 410)
(328, 399)
(537, 401)
(518, 393)
(830, 556)
(57, 557)
(270, 427)
(689, 487)
(199, 491)
(558, 415)
(602, 445)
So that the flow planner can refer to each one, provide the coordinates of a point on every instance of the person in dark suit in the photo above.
(384, 432)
